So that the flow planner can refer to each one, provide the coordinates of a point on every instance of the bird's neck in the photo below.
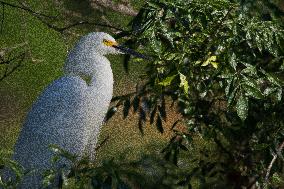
(93, 67)
(102, 77)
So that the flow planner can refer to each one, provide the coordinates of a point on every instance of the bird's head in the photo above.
(88, 53)
(106, 44)
(103, 43)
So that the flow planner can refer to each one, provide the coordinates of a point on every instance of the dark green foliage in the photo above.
(159, 124)
(148, 172)
(110, 113)
(15, 169)
(222, 62)
(135, 103)
(126, 107)
(142, 119)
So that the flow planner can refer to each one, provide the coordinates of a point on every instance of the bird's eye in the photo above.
(106, 42)
(109, 43)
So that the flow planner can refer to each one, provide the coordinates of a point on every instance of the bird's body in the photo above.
(70, 111)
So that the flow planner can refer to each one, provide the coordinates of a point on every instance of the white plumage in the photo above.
(70, 111)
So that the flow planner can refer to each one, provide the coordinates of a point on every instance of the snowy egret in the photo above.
(70, 111)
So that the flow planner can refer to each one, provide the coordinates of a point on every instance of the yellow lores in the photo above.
(123, 49)
(110, 43)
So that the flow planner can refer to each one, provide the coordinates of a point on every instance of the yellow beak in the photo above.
(124, 49)
(110, 43)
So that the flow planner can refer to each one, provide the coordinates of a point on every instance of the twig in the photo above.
(272, 162)
(102, 143)
(56, 28)
(61, 30)
(91, 23)
(25, 9)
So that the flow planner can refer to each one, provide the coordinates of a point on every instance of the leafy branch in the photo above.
(62, 29)
(275, 156)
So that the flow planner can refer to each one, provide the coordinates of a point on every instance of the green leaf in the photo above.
(126, 60)
(233, 61)
(61, 152)
(279, 94)
(215, 64)
(156, 44)
(175, 124)
(183, 147)
(231, 96)
(110, 113)
(48, 177)
(159, 124)
(136, 102)
(253, 92)
(175, 156)
(183, 83)
(258, 43)
(154, 5)
(249, 70)
(142, 119)
(167, 81)
(261, 146)
(126, 108)
(153, 113)
(269, 91)
(162, 111)
(165, 35)
(16, 168)
(230, 82)
(242, 107)
(272, 78)
(209, 61)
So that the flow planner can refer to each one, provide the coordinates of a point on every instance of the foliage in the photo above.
(6, 164)
(221, 62)
(148, 172)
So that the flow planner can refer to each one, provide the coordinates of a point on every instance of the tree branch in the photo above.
(56, 28)
(279, 149)
(25, 9)
(61, 30)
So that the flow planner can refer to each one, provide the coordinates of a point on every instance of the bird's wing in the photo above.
(58, 116)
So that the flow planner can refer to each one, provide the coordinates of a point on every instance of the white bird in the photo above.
(70, 111)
